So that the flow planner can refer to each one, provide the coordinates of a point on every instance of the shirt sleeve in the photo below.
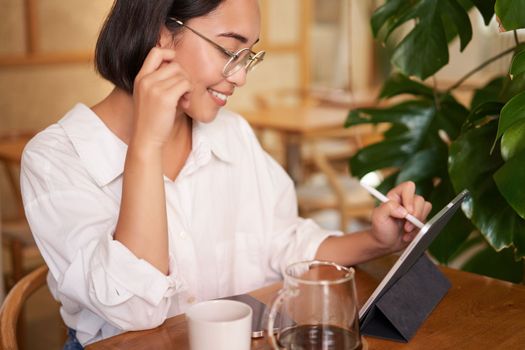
(73, 222)
(293, 238)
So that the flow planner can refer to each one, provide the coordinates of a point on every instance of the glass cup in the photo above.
(315, 309)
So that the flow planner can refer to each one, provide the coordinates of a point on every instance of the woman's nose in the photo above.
(238, 78)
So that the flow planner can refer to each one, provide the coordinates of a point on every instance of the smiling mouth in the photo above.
(218, 95)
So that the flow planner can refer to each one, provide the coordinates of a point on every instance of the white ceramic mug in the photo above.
(219, 325)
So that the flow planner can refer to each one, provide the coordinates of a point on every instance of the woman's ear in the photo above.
(165, 38)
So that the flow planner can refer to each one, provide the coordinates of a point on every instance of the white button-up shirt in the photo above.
(232, 223)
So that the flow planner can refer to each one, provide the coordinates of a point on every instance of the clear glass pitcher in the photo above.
(315, 309)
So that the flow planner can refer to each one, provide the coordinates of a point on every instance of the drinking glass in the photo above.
(316, 309)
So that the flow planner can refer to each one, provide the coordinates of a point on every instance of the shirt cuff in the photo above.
(299, 242)
(316, 236)
(117, 275)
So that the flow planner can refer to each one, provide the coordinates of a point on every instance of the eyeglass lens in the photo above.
(244, 60)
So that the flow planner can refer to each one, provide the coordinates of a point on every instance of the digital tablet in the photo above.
(414, 250)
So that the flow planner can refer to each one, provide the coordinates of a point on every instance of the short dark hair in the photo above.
(132, 29)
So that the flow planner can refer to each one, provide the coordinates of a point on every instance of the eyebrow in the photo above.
(238, 37)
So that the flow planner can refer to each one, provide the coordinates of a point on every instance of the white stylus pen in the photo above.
(385, 199)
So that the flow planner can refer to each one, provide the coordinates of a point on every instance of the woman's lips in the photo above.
(219, 97)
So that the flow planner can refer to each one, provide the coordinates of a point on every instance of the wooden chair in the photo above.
(13, 305)
(330, 184)
(324, 155)
(15, 230)
(285, 97)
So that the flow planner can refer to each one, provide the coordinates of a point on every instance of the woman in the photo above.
(156, 198)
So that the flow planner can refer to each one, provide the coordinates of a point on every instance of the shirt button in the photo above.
(191, 300)
(183, 234)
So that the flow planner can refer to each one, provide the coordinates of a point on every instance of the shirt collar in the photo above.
(215, 136)
(104, 154)
(101, 151)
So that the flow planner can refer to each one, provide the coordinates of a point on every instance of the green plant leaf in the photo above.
(484, 112)
(490, 92)
(511, 13)
(513, 141)
(509, 179)
(474, 239)
(499, 265)
(424, 50)
(516, 85)
(453, 12)
(390, 12)
(471, 166)
(499, 89)
(451, 117)
(518, 64)
(388, 183)
(417, 142)
(486, 8)
(409, 120)
(386, 154)
(413, 145)
(423, 165)
(411, 114)
(398, 84)
(512, 113)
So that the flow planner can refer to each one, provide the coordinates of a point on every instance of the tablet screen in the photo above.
(414, 250)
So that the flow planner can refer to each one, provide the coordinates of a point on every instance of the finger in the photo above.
(395, 197)
(408, 237)
(403, 194)
(419, 205)
(168, 92)
(165, 85)
(391, 209)
(179, 88)
(167, 71)
(407, 195)
(159, 89)
(427, 209)
(154, 59)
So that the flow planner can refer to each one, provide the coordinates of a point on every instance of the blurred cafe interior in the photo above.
(321, 62)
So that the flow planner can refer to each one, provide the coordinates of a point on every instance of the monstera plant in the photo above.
(444, 146)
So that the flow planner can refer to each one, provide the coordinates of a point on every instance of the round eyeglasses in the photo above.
(242, 59)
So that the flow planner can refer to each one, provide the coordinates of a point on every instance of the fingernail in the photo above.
(401, 211)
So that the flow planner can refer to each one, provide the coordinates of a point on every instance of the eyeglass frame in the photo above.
(256, 58)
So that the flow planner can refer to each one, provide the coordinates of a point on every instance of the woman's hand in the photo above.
(389, 228)
(160, 86)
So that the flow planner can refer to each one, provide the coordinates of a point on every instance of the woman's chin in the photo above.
(207, 117)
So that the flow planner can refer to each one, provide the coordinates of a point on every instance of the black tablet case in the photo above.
(414, 290)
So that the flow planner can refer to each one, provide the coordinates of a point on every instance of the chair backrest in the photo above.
(285, 98)
(11, 147)
(329, 154)
(13, 304)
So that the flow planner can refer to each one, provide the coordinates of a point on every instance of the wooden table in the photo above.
(296, 124)
(477, 313)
